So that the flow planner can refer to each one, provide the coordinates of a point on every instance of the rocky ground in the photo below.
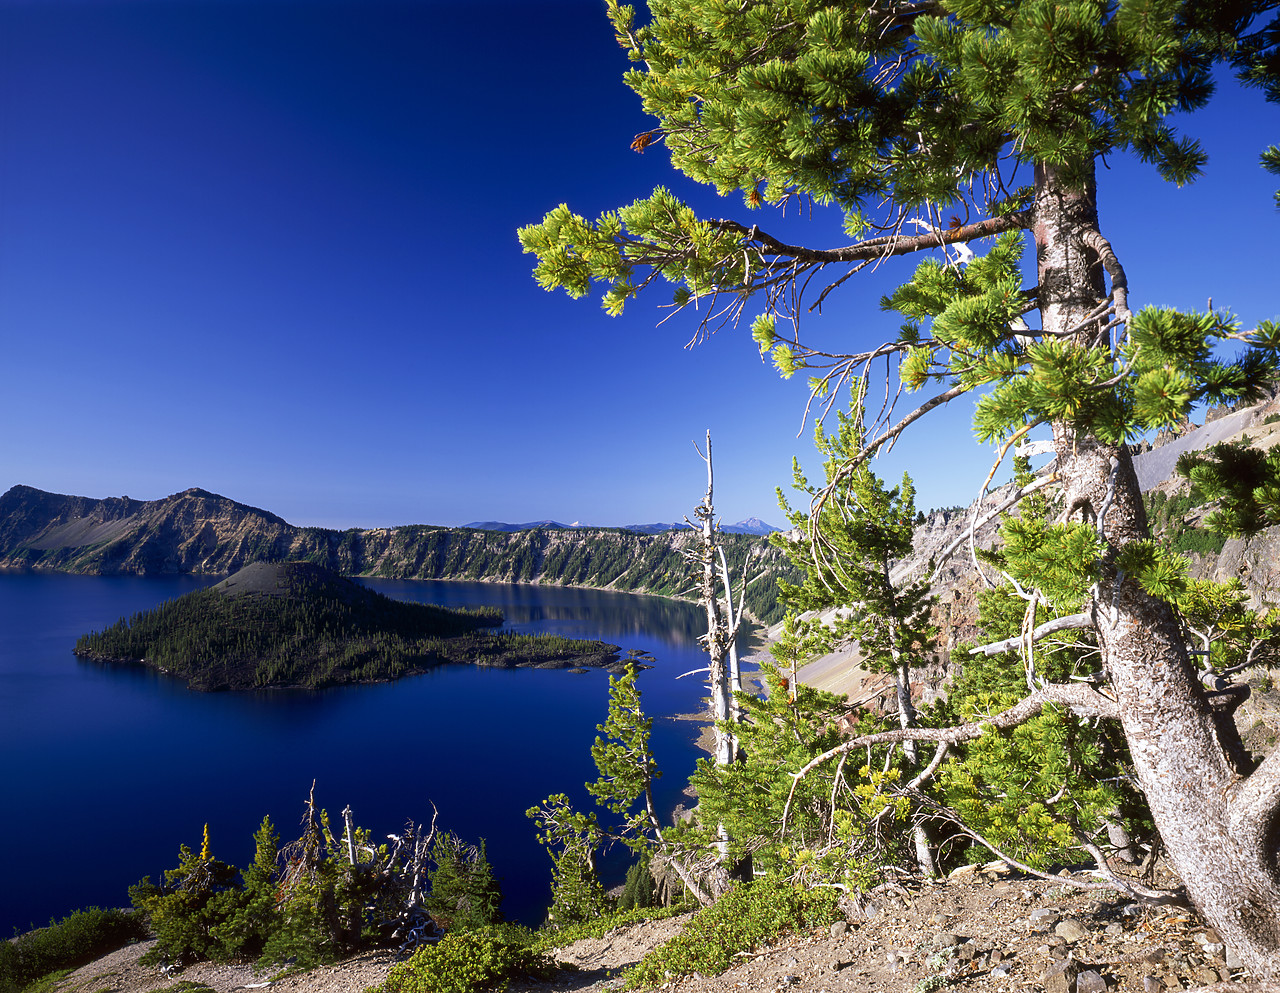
(983, 931)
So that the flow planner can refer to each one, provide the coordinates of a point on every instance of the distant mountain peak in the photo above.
(752, 525)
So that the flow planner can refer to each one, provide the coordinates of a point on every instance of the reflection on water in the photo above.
(568, 611)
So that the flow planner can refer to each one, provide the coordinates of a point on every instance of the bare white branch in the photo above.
(1070, 622)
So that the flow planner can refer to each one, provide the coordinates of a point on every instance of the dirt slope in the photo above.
(983, 931)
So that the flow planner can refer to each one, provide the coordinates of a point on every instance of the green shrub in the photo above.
(464, 895)
(77, 939)
(743, 919)
(1029, 790)
(484, 958)
(253, 916)
(197, 897)
(825, 842)
(1168, 516)
(1271, 419)
(320, 897)
(576, 892)
(1198, 540)
(49, 983)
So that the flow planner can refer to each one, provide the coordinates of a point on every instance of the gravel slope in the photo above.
(1157, 465)
(983, 931)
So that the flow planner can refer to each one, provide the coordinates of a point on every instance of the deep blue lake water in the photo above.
(108, 769)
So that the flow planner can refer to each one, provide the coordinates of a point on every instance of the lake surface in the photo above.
(108, 769)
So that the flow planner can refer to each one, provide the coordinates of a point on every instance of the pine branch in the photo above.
(884, 246)
(1082, 700)
(886, 438)
(1070, 622)
(1119, 281)
(1110, 879)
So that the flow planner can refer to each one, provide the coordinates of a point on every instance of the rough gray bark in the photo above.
(1218, 827)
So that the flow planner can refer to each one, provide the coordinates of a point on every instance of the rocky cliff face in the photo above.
(1255, 561)
(956, 581)
(194, 531)
(200, 532)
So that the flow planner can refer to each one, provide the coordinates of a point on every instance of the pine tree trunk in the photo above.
(1218, 829)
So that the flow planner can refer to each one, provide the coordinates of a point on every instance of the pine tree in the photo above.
(186, 911)
(464, 895)
(846, 542)
(256, 916)
(638, 890)
(911, 118)
(576, 892)
(626, 764)
(843, 824)
(627, 772)
(847, 549)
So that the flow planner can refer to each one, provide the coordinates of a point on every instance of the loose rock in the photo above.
(1061, 977)
(1090, 981)
(1071, 930)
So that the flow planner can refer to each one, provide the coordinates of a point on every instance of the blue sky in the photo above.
(267, 247)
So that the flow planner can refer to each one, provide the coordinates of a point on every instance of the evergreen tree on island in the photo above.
(299, 624)
(919, 121)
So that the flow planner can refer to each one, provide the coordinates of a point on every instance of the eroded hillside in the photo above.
(200, 532)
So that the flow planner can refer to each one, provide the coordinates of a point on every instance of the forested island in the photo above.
(298, 624)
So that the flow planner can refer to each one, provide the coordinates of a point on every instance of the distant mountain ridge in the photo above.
(196, 531)
(752, 525)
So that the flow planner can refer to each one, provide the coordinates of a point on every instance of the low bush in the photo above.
(49, 983)
(743, 919)
(464, 961)
(74, 941)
